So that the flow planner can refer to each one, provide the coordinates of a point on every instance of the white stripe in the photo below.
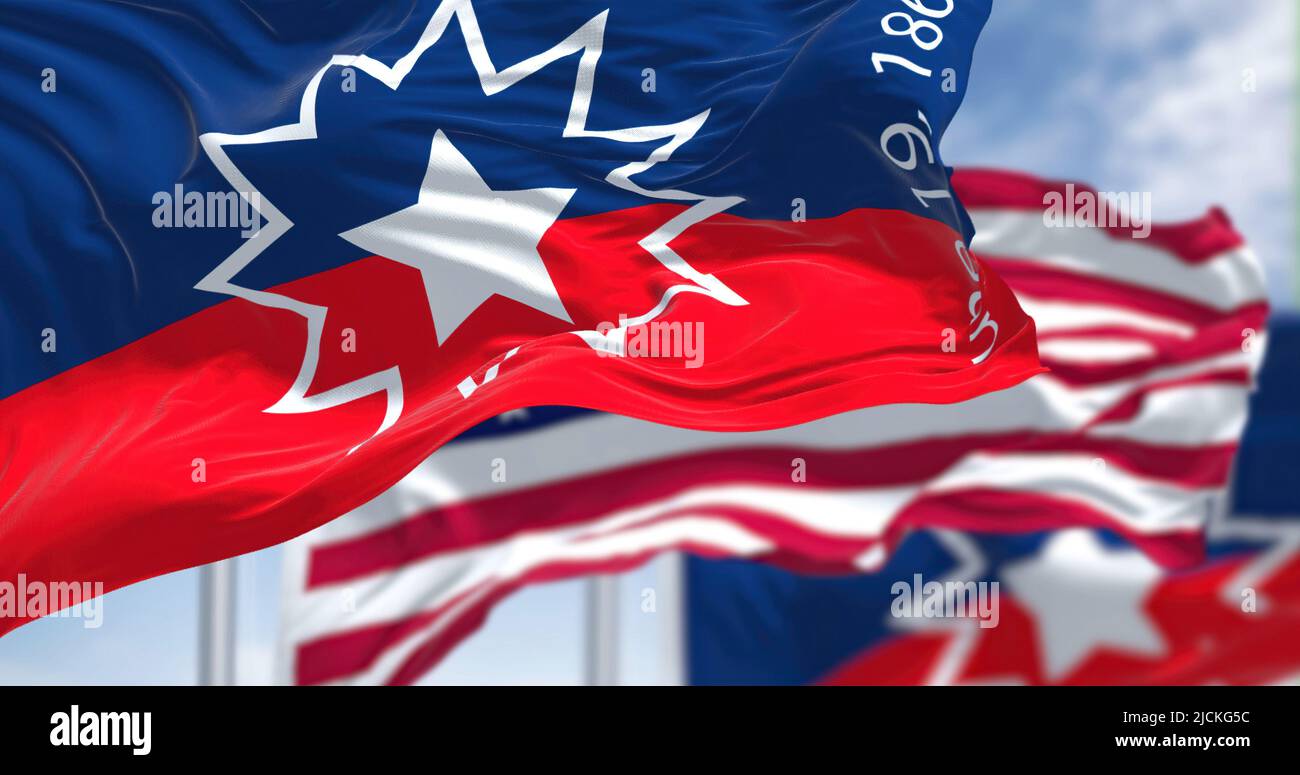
(1095, 350)
(1052, 317)
(1223, 282)
(413, 589)
(1134, 502)
(463, 471)
(856, 514)
(1137, 503)
(1190, 415)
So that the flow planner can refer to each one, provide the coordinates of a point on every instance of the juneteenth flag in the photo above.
(259, 262)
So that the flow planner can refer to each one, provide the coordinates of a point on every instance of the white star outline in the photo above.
(588, 39)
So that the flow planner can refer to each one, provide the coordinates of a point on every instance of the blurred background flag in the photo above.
(1153, 333)
(1076, 606)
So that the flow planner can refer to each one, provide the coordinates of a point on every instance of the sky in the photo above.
(1191, 100)
(1146, 96)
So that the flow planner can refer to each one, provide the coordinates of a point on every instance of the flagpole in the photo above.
(602, 631)
(217, 623)
(671, 607)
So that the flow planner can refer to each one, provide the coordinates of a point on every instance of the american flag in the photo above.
(1152, 341)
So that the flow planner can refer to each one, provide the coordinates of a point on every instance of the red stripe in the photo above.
(1053, 283)
(1128, 407)
(1193, 241)
(348, 652)
(1226, 337)
(577, 500)
(987, 510)
(435, 648)
(574, 501)
(345, 653)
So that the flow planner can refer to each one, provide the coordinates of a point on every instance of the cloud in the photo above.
(1148, 97)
